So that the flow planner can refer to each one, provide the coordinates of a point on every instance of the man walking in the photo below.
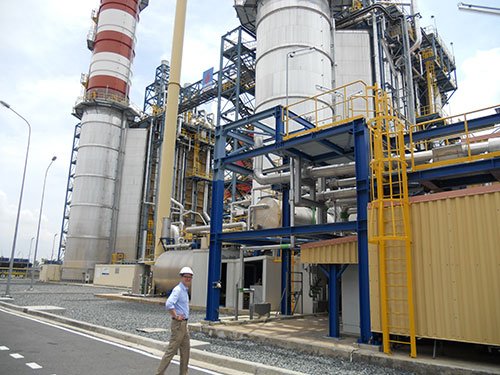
(178, 306)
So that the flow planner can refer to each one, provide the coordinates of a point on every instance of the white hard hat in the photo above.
(185, 270)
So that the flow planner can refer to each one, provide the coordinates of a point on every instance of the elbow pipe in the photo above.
(269, 179)
(416, 20)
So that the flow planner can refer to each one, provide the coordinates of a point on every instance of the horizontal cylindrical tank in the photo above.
(167, 267)
(268, 215)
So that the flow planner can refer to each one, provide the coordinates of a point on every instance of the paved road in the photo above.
(30, 346)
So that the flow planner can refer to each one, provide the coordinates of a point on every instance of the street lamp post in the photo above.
(29, 254)
(11, 263)
(53, 243)
(39, 222)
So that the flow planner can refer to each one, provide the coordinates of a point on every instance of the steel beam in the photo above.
(286, 305)
(288, 231)
(334, 300)
(457, 170)
(457, 128)
(278, 147)
(361, 152)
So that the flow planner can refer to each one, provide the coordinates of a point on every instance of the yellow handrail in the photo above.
(393, 233)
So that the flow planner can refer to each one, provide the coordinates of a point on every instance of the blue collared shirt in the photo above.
(179, 300)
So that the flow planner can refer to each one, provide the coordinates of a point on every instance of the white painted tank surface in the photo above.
(167, 267)
(270, 216)
(285, 26)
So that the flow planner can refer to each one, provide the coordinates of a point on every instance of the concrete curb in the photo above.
(347, 352)
(242, 366)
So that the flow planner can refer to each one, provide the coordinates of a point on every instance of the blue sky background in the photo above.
(43, 45)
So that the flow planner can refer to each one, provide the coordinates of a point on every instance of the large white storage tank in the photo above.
(285, 26)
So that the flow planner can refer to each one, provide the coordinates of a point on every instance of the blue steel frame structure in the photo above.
(321, 147)
(456, 175)
(446, 176)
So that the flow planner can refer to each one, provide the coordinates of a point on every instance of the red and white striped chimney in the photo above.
(98, 172)
(113, 53)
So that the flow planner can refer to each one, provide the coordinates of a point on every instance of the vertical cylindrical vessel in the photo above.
(294, 42)
(103, 116)
(284, 27)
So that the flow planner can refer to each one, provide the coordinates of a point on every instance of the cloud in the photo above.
(28, 221)
(478, 82)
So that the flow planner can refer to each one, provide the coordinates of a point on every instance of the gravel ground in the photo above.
(81, 304)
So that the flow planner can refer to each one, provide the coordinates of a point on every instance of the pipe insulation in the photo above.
(205, 228)
(169, 138)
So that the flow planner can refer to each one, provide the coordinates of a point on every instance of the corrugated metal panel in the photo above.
(131, 193)
(337, 251)
(456, 266)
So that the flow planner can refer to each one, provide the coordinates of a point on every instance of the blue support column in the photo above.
(361, 152)
(286, 303)
(216, 214)
(334, 300)
(280, 129)
(214, 256)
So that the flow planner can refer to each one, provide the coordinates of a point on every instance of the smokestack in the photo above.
(105, 114)
(113, 49)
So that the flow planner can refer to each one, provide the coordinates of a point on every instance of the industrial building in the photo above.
(330, 178)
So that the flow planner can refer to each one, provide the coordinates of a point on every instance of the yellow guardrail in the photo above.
(455, 149)
(332, 107)
(16, 272)
(356, 100)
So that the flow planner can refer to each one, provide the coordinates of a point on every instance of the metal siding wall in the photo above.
(353, 62)
(456, 265)
(131, 193)
(341, 251)
(456, 268)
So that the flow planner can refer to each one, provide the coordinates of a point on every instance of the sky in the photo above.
(44, 52)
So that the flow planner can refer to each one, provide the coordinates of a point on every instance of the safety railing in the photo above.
(332, 107)
(458, 148)
(105, 95)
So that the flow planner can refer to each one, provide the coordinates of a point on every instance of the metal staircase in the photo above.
(69, 192)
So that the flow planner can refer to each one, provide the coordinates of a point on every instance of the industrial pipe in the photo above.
(206, 187)
(335, 194)
(334, 170)
(172, 107)
(265, 247)
(258, 174)
(196, 213)
(341, 183)
(204, 228)
(416, 20)
(291, 200)
(178, 246)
